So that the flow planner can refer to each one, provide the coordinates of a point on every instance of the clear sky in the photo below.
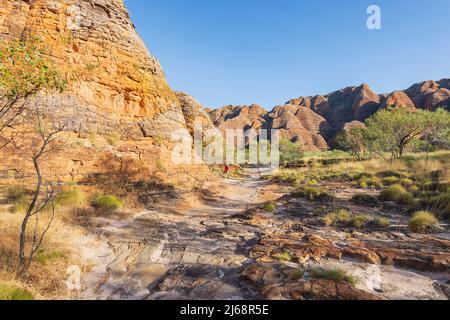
(269, 51)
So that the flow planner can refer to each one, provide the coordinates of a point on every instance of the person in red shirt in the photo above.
(226, 170)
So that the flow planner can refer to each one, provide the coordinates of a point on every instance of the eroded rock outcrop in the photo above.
(398, 99)
(115, 85)
(120, 110)
(239, 117)
(195, 114)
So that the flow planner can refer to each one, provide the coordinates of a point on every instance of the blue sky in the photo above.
(269, 51)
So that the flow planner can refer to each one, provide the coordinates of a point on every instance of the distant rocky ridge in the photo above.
(314, 121)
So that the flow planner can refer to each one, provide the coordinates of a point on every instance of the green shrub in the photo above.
(337, 217)
(334, 275)
(46, 256)
(107, 203)
(16, 194)
(307, 192)
(392, 193)
(359, 221)
(369, 182)
(285, 256)
(423, 221)
(381, 223)
(388, 174)
(113, 139)
(297, 275)
(406, 199)
(389, 181)
(19, 207)
(363, 184)
(71, 198)
(406, 182)
(270, 206)
(13, 292)
(440, 204)
(414, 189)
(444, 187)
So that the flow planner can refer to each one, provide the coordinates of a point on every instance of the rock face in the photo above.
(239, 117)
(398, 99)
(315, 120)
(120, 110)
(430, 94)
(301, 125)
(195, 114)
(114, 83)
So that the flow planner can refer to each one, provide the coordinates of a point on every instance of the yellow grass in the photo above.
(46, 277)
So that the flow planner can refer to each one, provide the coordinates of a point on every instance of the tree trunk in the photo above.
(23, 264)
(401, 150)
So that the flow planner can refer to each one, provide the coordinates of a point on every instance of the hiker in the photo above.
(226, 170)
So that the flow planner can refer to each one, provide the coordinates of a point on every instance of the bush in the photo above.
(406, 182)
(414, 189)
(381, 223)
(422, 221)
(406, 199)
(369, 182)
(389, 181)
(307, 192)
(389, 174)
(392, 193)
(45, 256)
(363, 184)
(296, 275)
(285, 256)
(113, 139)
(337, 217)
(270, 206)
(107, 203)
(15, 194)
(440, 204)
(71, 198)
(19, 207)
(13, 292)
(334, 275)
(359, 221)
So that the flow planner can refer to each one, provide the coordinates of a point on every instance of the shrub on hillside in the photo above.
(381, 223)
(406, 199)
(358, 221)
(423, 221)
(406, 182)
(366, 182)
(337, 217)
(107, 203)
(334, 275)
(392, 193)
(71, 198)
(270, 206)
(15, 194)
(13, 292)
(389, 181)
(440, 204)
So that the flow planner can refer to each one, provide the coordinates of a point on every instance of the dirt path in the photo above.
(199, 249)
(197, 253)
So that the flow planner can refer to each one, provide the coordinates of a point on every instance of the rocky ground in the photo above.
(224, 246)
